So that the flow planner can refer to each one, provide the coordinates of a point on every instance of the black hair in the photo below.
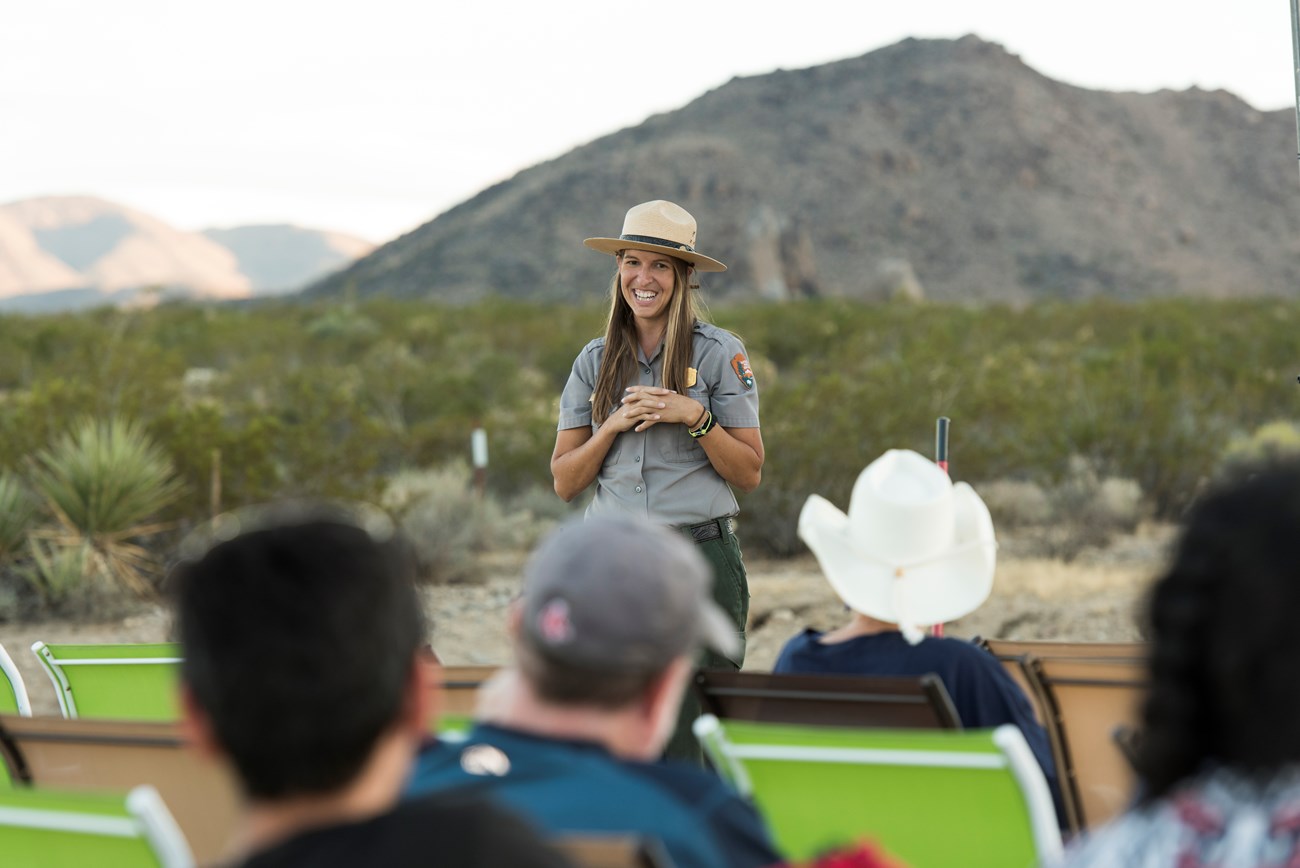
(298, 644)
(1225, 647)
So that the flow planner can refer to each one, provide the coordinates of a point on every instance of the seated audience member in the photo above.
(613, 612)
(914, 550)
(302, 670)
(1219, 757)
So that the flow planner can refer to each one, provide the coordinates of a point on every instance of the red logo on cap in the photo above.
(553, 623)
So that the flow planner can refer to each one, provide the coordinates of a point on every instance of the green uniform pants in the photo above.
(731, 592)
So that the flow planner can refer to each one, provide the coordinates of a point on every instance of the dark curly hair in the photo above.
(1225, 643)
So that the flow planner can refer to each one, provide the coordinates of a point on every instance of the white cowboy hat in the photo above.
(660, 226)
(913, 550)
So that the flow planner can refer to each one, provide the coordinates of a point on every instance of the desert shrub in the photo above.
(17, 516)
(533, 512)
(1082, 510)
(57, 571)
(1015, 503)
(102, 483)
(327, 399)
(450, 523)
(1271, 441)
(1089, 510)
(447, 522)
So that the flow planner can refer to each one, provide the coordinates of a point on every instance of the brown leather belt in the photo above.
(705, 531)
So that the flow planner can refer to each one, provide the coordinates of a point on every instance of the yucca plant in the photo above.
(17, 516)
(55, 570)
(103, 483)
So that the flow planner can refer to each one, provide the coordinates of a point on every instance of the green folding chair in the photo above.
(928, 797)
(46, 829)
(13, 693)
(124, 682)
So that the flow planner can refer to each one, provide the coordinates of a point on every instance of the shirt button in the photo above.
(647, 370)
(638, 459)
(638, 489)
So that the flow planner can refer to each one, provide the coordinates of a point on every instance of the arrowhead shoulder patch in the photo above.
(740, 365)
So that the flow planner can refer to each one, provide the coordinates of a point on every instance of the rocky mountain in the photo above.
(944, 168)
(60, 252)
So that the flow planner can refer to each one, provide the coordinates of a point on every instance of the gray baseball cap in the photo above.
(619, 594)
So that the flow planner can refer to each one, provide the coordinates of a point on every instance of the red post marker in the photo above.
(941, 443)
(940, 458)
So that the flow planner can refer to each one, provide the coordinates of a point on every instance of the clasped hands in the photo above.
(644, 406)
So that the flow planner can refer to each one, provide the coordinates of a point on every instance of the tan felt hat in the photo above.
(659, 226)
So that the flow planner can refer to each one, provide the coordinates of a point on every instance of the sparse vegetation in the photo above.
(1126, 408)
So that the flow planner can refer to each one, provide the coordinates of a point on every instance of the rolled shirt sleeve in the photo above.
(575, 400)
(724, 366)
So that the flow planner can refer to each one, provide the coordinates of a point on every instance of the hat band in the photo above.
(658, 242)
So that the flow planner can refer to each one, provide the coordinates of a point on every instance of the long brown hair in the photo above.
(619, 362)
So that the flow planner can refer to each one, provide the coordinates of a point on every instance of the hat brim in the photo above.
(613, 245)
(939, 590)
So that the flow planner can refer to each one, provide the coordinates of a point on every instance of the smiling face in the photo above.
(648, 281)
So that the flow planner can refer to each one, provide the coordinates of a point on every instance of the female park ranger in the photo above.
(662, 412)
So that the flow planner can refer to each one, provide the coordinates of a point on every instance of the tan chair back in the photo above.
(1015, 656)
(117, 755)
(1086, 702)
(612, 851)
(460, 686)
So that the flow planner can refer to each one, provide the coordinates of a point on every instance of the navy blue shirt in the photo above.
(576, 786)
(983, 693)
(418, 833)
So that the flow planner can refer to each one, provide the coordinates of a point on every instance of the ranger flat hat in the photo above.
(662, 227)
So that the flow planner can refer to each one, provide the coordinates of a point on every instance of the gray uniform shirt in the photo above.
(662, 473)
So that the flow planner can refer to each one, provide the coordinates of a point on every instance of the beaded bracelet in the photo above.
(705, 427)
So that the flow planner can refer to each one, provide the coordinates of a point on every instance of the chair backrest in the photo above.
(13, 692)
(115, 755)
(123, 682)
(1087, 700)
(903, 702)
(612, 851)
(1047, 648)
(926, 797)
(1016, 657)
(460, 686)
(52, 829)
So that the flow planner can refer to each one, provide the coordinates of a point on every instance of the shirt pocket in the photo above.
(682, 448)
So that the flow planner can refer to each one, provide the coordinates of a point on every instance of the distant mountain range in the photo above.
(62, 252)
(940, 168)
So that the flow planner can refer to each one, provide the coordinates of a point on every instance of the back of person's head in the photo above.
(1225, 648)
(299, 636)
(608, 605)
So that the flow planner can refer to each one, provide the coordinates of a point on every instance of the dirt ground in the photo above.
(1095, 597)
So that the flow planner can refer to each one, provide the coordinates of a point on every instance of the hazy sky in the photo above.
(372, 117)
